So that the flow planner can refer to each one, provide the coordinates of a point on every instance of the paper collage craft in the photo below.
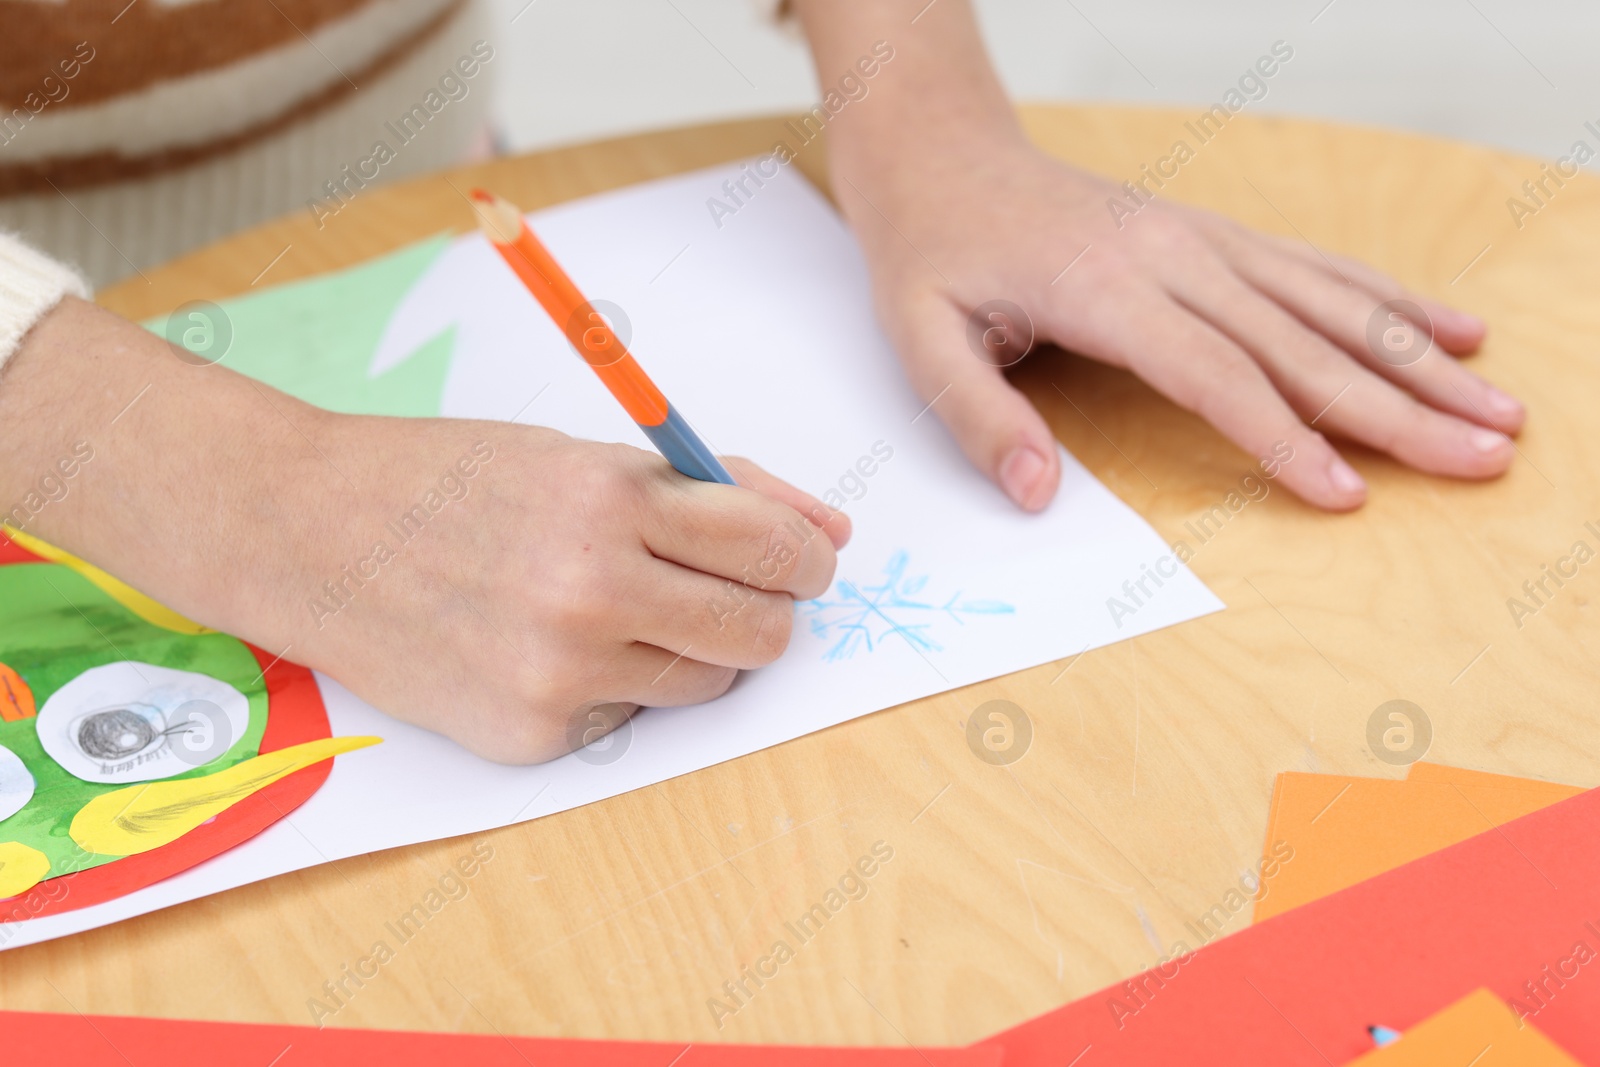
(763, 326)
(133, 744)
(1478, 1030)
(1345, 830)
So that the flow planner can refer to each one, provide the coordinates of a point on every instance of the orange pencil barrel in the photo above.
(585, 328)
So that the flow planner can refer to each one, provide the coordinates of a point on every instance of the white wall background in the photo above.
(1519, 75)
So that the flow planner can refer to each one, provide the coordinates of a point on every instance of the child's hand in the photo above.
(490, 581)
(1271, 340)
(1259, 335)
(569, 575)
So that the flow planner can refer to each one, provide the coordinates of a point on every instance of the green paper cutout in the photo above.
(315, 339)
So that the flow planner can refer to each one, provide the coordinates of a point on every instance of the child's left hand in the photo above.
(1264, 337)
(1271, 340)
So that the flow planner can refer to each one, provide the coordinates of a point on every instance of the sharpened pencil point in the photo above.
(497, 218)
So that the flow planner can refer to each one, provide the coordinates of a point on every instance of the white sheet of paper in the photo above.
(762, 331)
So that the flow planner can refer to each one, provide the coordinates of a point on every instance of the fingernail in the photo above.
(1344, 477)
(1503, 403)
(1020, 472)
(1466, 320)
(1487, 441)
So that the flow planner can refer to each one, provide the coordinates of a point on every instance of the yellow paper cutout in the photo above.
(118, 590)
(146, 816)
(21, 868)
(1479, 1029)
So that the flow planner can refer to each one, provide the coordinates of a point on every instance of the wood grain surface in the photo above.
(1144, 794)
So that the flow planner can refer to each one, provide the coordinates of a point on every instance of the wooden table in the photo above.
(1145, 792)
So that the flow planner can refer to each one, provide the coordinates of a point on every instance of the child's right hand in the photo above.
(562, 576)
(524, 577)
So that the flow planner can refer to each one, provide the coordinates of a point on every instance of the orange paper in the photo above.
(1344, 830)
(1440, 772)
(1479, 1029)
(1501, 910)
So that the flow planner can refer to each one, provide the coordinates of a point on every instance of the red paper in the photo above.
(11, 552)
(117, 1041)
(1505, 908)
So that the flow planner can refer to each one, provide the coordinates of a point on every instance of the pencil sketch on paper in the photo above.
(862, 617)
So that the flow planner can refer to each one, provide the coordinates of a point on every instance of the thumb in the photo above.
(955, 362)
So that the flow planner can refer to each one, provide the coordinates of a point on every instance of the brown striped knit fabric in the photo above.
(140, 44)
(130, 132)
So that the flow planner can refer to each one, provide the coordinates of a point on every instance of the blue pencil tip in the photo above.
(1383, 1035)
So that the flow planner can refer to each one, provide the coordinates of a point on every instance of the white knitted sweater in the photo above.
(30, 285)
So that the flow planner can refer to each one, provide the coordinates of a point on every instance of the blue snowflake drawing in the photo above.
(865, 616)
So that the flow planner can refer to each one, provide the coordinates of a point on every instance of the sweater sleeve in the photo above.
(31, 283)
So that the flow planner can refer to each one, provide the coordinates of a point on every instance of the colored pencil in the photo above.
(593, 338)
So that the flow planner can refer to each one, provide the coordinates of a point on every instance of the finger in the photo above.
(998, 428)
(1190, 361)
(836, 524)
(655, 677)
(1399, 348)
(735, 533)
(1456, 331)
(1324, 384)
(714, 620)
(1345, 314)
(1459, 333)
